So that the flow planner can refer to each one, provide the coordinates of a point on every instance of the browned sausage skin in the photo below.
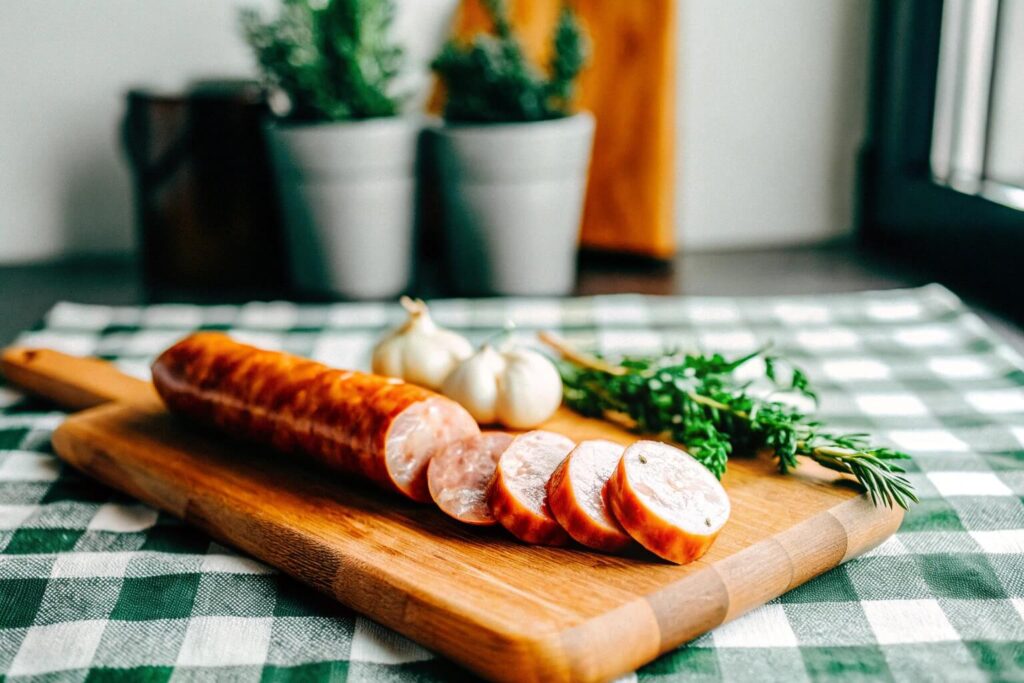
(576, 496)
(670, 503)
(518, 498)
(383, 429)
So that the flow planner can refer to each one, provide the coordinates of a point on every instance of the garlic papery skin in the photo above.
(518, 388)
(473, 384)
(420, 351)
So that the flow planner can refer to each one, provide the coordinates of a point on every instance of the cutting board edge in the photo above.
(532, 653)
(635, 632)
(875, 525)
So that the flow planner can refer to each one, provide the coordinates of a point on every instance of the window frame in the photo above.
(963, 239)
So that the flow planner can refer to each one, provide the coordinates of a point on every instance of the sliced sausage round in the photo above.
(458, 476)
(576, 496)
(518, 496)
(670, 503)
(377, 427)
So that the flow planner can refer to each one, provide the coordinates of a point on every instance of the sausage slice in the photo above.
(377, 427)
(576, 496)
(518, 497)
(670, 503)
(459, 475)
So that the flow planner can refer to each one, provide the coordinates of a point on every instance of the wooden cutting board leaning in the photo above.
(503, 609)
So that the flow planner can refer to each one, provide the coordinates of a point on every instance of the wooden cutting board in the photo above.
(503, 609)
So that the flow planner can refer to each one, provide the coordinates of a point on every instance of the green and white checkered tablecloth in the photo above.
(94, 586)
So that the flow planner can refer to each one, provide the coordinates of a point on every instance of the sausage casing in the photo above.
(518, 496)
(670, 503)
(576, 496)
(380, 428)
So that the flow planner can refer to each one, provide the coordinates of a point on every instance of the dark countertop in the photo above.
(29, 291)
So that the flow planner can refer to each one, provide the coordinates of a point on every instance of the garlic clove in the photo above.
(530, 390)
(387, 358)
(474, 384)
(457, 345)
(419, 351)
(427, 362)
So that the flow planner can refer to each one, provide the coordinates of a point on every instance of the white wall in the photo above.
(772, 102)
(64, 68)
(772, 98)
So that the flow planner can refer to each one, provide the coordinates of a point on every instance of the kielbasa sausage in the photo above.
(518, 498)
(576, 496)
(380, 428)
(670, 503)
(458, 476)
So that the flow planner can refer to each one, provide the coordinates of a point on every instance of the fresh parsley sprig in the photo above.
(697, 400)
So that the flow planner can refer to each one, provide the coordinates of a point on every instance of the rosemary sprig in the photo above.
(696, 400)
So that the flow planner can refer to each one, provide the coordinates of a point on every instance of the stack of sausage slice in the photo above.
(546, 489)
(542, 487)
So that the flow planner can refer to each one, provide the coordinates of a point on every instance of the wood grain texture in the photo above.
(503, 609)
(630, 87)
(72, 382)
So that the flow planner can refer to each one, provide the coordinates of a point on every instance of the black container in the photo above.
(206, 206)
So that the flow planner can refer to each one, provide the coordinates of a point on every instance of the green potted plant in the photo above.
(513, 159)
(343, 153)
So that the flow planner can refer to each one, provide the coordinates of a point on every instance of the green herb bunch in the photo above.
(698, 401)
(334, 59)
(490, 80)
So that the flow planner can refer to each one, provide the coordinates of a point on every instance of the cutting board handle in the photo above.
(72, 382)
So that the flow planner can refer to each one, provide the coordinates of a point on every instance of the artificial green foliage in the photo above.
(490, 80)
(334, 59)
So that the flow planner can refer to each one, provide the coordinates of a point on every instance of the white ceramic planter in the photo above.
(348, 196)
(513, 200)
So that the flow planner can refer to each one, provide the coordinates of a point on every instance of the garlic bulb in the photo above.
(518, 388)
(419, 351)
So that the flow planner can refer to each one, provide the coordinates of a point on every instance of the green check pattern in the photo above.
(96, 587)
